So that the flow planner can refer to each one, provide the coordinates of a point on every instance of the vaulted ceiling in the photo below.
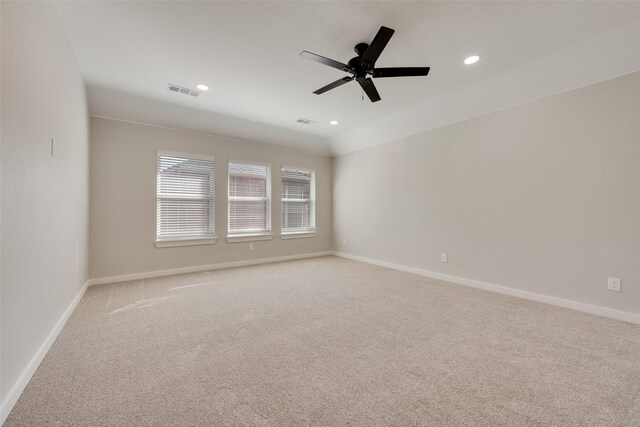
(247, 52)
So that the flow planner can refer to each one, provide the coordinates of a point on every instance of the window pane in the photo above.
(249, 198)
(298, 200)
(183, 217)
(186, 199)
(247, 169)
(296, 190)
(247, 216)
(295, 215)
(247, 186)
(184, 176)
(296, 174)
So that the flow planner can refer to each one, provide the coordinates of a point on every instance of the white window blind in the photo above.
(249, 198)
(298, 200)
(185, 197)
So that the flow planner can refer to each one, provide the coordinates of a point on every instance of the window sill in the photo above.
(249, 237)
(185, 242)
(298, 235)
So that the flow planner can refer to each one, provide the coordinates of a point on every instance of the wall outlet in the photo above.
(613, 284)
(444, 257)
(344, 240)
(250, 246)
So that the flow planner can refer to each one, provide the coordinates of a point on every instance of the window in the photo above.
(185, 197)
(249, 198)
(298, 200)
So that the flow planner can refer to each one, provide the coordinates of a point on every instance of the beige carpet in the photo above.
(324, 342)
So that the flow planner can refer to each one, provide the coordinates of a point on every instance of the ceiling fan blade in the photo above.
(400, 72)
(325, 61)
(377, 46)
(333, 85)
(370, 89)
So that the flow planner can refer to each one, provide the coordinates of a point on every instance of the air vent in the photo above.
(183, 90)
(306, 121)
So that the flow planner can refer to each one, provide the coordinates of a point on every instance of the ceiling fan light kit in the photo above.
(362, 67)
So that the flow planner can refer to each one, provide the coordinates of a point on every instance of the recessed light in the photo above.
(333, 122)
(472, 59)
(202, 86)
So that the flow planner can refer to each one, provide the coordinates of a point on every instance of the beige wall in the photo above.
(123, 199)
(544, 197)
(45, 203)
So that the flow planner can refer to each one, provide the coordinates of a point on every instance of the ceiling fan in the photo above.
(363, 66)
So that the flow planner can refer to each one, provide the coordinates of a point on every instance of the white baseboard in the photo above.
(561, 302)
(19, 386)
(23, 380)
(195, 269)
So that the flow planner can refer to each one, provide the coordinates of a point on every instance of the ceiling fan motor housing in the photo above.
(357, 68)
(361, 48)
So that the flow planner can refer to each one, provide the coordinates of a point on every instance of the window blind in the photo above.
(185, 197)
(249, 198)
(298, 200)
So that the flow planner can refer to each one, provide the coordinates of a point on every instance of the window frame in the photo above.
(186, 240)
(250, 235)
(299, 233)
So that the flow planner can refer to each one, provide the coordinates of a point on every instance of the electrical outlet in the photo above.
(250, 246)
(444, 257)
(344, 240)
(613, 284)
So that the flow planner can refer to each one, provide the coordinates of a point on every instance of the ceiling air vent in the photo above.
(306, 121)
(183, 90)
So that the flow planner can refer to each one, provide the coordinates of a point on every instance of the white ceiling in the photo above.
(247, 52)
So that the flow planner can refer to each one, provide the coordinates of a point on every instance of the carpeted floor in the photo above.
(329, 342)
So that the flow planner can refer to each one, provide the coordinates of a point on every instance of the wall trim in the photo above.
(532, 296)
(198, 268)
(19, 386)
